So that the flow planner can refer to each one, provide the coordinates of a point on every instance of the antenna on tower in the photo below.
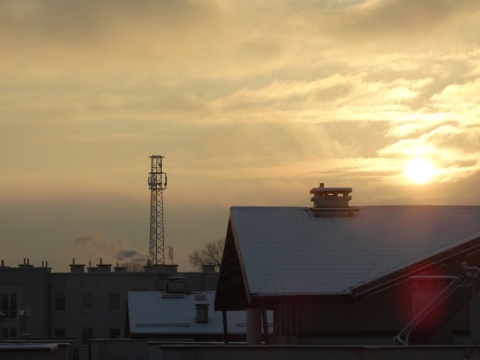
(157, 182)
(170, 253)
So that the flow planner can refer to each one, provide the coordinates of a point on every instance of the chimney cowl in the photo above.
(331, 200)
(331, 197)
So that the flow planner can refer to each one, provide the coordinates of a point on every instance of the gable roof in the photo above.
(286, 251)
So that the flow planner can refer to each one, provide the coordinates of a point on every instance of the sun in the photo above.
(419, 170)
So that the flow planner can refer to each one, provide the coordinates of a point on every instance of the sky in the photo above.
(250, 103)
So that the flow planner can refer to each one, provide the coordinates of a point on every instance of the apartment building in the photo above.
(86, 303)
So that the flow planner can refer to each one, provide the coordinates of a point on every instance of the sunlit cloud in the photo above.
(247, 100)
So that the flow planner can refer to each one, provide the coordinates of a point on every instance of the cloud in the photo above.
(459, 99)
(176, 41)
(111, 38)
(402, 19)
(81, 23)
(452, 145)
(246, 99)
(132, 255)
(95, 245)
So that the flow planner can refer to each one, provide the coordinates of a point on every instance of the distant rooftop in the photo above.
(158, 312)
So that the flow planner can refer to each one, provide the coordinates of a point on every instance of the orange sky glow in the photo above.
(250, 102)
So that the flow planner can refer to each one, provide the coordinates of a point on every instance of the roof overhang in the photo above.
(268, 301)
(232, 288)
(454, 255)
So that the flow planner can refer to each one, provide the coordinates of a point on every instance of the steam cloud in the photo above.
(132, 255)
(95, 245)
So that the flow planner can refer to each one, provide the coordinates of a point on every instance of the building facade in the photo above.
(86, 303)
(339, 275)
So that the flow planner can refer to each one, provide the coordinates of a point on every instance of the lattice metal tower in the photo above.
(157, 182)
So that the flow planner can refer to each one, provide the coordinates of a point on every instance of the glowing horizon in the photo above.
(251, 103)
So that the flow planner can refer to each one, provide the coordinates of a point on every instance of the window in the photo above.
(59, 333)
(114, 333)
(60, 302)
(114, 302)
(9, 332)
(87, 302)
(87, 335)
(9, 305)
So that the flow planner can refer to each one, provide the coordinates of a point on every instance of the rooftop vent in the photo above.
(118, 268)
(209, 268)
(161, 268)
(26, 264)
(202, 313)
(104, 267)
(77, 268)
(331, 201)
(176, 285)
(90, 268)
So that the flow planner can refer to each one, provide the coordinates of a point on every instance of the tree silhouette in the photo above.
(133, 266)
(211, 254)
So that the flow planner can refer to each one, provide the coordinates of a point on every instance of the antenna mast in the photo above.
(157, 182)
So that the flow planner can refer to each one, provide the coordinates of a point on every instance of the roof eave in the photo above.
(272, 299)
(238, 283)
(450, 255)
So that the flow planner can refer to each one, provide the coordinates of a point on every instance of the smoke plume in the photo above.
(94, 245)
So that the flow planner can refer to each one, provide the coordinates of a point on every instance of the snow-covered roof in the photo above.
(157, 312)
(285, 251)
